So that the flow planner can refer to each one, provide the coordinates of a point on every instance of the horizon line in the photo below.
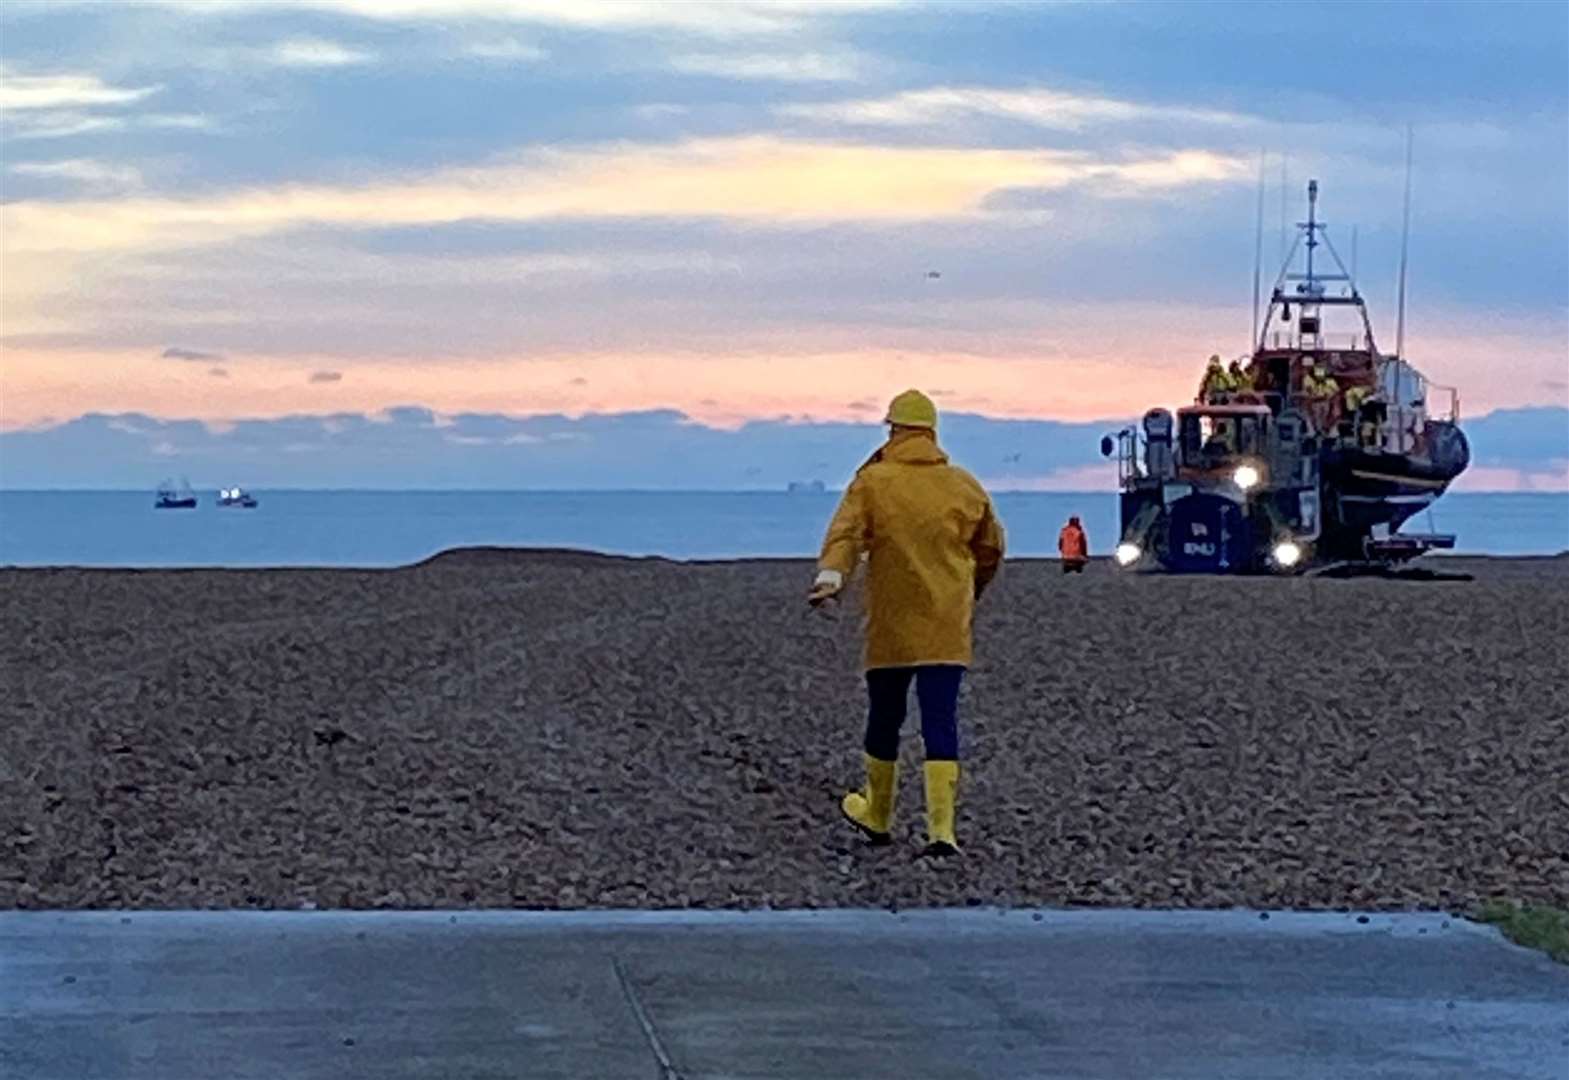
(827, 490)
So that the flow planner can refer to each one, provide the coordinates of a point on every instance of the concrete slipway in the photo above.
(974, 993)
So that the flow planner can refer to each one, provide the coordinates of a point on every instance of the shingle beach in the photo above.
(553, 730)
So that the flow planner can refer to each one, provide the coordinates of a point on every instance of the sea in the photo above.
(395, 528)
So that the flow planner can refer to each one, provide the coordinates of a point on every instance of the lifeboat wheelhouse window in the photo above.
(1206, 439)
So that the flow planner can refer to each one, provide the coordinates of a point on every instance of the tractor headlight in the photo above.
(1246, 477)
(1286, 554)
(1128, 554)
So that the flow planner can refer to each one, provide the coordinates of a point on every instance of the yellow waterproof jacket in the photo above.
(933, 544)
(1315, 387)
(1217, 380)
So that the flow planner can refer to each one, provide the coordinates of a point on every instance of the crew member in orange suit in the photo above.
(1074, 547)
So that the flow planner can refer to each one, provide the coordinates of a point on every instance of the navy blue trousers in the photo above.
(937, 691)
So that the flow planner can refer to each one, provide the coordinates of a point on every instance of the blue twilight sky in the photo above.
(256, 215)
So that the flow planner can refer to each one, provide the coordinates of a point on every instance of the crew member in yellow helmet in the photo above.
(1216, 380)
(932, 544)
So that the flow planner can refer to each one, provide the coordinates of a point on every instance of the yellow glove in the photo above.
(828, 585)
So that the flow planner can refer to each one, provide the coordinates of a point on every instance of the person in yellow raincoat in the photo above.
(1321, 391)
(1217, 380)
(932, 544)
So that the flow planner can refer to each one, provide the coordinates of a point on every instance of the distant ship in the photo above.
(236, 497)
(175, 497)
(806, 487)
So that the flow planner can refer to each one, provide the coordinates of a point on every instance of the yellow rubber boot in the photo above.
(871, 808)
(942, 789)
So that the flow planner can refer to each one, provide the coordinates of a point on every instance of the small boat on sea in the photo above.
(236, 497)
(175, 497)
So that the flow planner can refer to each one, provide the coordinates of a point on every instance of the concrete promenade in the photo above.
(976, 993)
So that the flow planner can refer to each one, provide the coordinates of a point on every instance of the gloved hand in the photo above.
(827, 587)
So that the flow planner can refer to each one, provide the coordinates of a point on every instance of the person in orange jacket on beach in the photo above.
(932, 544)
(1073, 546)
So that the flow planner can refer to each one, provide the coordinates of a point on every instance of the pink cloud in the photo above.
(1092, 362)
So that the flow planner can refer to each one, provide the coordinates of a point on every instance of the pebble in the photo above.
(570, 730)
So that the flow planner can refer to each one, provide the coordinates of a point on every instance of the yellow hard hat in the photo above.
(912, 409)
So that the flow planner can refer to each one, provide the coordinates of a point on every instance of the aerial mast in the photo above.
(1405, 240)
(1284, 197)
(1258, 250)
(1400, 308)
(1312, 229)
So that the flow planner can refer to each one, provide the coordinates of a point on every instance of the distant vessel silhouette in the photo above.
(236, 497)
(175, 497)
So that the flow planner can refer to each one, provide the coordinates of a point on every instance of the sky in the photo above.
(738, 218)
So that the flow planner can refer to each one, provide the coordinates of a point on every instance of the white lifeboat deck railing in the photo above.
(1450, 398)
(1290, 339)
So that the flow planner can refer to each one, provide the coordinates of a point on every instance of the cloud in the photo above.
(175, 352)
(64, 124)
(56, 125)
(326, 376)
(316, 53)
(647, 449)
(176, 121)
(506, 49)
(754, 178)
(85, 171)
(1042, 108)
(1040, 356)
(778, 67)
(717, 18)
(59, 106)
(25, 92)
(218, 373)
(660, 111)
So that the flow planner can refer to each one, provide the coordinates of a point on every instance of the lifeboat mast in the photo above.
(1309, 292)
